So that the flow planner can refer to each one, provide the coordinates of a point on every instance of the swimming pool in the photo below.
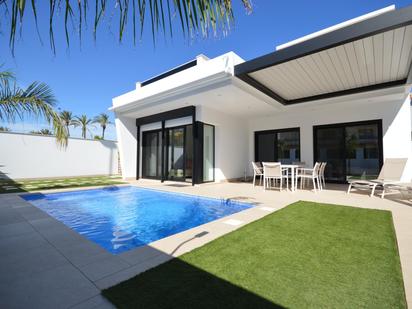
(122, 218)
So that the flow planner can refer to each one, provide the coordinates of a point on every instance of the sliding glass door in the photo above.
(176, 154)
(278, 145)
(352, 150)
(173, 159)
(151, 154)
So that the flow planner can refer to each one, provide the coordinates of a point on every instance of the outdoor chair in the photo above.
(300, 163)
(390, 175)
(257, 172)
(273, 171)
(310, 173)
(322, 175)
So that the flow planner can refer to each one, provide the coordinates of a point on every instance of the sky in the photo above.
(85, 77)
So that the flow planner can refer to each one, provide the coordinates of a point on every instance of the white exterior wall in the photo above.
(156, 126)
(231, 147)
(35, 156)
(395, 115)
(126, 134)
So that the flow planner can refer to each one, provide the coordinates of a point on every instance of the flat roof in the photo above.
(337, 26)
(373, 53)
(175, 70)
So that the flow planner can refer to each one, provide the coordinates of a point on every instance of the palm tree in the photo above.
(194, 17)
(84, 122)
(103, 121)
(66, 118)
(42, 132)
(46, 132)
(37, 100)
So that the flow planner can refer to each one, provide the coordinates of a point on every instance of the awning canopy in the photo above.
(372, 54)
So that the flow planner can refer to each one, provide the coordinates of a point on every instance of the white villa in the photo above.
(340, 95)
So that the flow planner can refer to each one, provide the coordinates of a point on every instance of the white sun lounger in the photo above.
(389, 175)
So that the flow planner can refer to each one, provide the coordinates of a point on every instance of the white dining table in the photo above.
(293, 172)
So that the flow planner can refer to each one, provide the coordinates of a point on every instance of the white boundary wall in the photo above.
(36, 156)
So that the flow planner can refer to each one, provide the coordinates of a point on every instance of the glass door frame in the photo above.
(201, 134)
(166, 153)
(159, 145)
(275, 142)
(377, 122)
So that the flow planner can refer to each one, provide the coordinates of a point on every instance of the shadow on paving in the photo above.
(177, 284)
(8, 185)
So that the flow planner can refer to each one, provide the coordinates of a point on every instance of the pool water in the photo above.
(123, 218)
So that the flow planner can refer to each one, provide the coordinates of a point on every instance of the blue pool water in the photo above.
(123, 218)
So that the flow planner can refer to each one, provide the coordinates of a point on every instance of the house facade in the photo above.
(340, 95)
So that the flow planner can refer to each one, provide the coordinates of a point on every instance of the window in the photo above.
(278, 145)
(352, 150)
(208, 152)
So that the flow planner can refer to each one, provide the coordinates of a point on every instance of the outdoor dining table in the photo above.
(293, 172)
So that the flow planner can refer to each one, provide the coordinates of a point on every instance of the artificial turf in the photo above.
(11, 186)
(307, 255)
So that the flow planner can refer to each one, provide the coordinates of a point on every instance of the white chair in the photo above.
(257, 172)
(300, 163)
(310, 173)
(322, 175)
(390, 175)
(273, 171)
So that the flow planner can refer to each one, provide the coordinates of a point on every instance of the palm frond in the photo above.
(37, 100)
(195, 17)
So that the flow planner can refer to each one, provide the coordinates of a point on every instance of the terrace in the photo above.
(186, 231)
(77, 270)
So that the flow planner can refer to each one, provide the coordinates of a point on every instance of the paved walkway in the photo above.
(44, 264)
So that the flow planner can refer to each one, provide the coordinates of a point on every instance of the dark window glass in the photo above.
(151, 154)
(265, 147)
(363, 146)
(189, 152)
(175, 154)
(281, 146)
(330, 149)
(288, 147)
(351, 151)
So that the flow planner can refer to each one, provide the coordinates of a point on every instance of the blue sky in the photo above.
(85, 79)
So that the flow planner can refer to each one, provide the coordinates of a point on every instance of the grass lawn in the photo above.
(305, 255)
(11, 186)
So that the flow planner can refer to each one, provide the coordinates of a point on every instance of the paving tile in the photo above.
(46, 223)
(233, 222)
(61, 235)
(15, 229)
(267, 208)
(31, 213)
(16, 266)
(84, 253)
(103, 267)
(131, 271)
(9, 216)
(21, 243)
(97, 301)
(139, 255)
(61, 287)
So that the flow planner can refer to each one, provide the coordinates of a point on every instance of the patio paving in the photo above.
(45, 264)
